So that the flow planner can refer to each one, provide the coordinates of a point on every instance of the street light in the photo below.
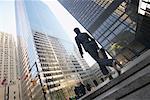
(38, 73)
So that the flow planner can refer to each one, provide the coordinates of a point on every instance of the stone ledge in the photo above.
(121, 90)
(125, 76)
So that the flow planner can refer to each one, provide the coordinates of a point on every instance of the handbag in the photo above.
(100, 54)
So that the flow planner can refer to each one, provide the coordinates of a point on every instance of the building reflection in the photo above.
(50, 66)
(116, 25)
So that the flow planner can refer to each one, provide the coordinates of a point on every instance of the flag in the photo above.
(33, 82)
(45, 88)
(3, 82)
(26, 76)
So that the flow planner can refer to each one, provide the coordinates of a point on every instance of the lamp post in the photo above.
(40, 80)
(6, 92)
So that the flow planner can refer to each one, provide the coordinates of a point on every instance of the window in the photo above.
(105, 42)
(101, 39)
(111, 37)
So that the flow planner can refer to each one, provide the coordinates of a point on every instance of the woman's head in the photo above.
(77, 30)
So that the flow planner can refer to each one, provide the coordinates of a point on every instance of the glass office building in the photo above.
(48, 71)
(30, 16)
(115, 24)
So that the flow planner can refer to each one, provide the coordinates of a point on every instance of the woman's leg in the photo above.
(112, 63)
(94, 55)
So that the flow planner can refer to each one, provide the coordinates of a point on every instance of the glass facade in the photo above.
(43, 20)
(47, 69)
(114, 24)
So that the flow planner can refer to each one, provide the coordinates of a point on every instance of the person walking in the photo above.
(77, 92)
(90, 46)
(82, 89)
(88, 87)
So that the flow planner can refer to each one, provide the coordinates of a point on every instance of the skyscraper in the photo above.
(124, 32)
(96, 74)
(57, 69)
(82, 68)
(115, 24)
(8, 68)
(47, 72)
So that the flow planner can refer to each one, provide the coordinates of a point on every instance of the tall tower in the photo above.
(115, 24)
(124, 33)
(47, 73)
(8, 68)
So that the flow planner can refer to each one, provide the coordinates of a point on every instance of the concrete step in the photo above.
(133, 84)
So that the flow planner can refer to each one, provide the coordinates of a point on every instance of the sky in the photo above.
(7, 16)
(7, 20)
(69, 23)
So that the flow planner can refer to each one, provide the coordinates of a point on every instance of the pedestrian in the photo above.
(88, 87)
(82, 89)
(77, 92)
(90, 46)
(95, 82)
